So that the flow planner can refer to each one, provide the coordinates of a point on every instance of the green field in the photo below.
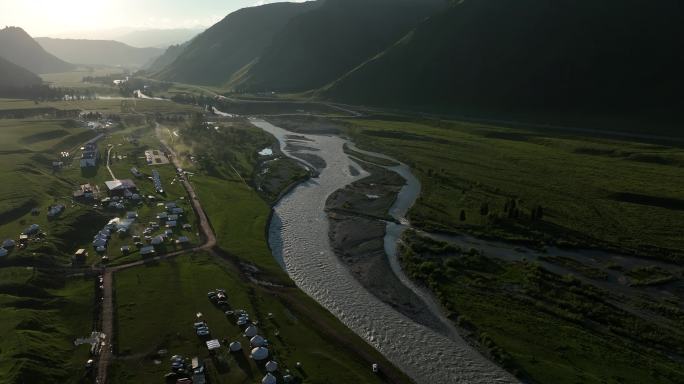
(40, 317)
(157, 305)
(592, 191)
(549, 328)
(114, 105)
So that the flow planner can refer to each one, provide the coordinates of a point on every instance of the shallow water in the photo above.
(299, 240)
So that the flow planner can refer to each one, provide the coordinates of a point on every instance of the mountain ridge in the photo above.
(98, 52)
(21, 49)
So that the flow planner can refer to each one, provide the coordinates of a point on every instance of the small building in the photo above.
(136, 172)
(3, 252)
(157, 240)
(126, 249)
(9, 243)
(80, 257)
(32, 229)
(145, 251)
(187, 227)
(121, 187)
(90, 155)
(183, 240)
(171, 224)
(55, 210)
(213, 345)
(85, 192)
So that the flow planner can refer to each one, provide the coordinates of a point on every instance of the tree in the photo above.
(463, 215)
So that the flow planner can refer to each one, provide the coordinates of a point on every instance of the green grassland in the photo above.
(114, 105)
(74, 79)
(592, 191)
(157, 306)
(549, 328)
(30, 147)
(41, 316)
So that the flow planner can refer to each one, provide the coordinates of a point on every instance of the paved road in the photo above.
(109, 152)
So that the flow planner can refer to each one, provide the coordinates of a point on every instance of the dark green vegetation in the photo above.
(12, 75)
(19, 48)
(165, 59)
(321, 45)
(492, 56)
(549, 328)
(223, 50)
(536, 188)
(99, 52)
(40, 317)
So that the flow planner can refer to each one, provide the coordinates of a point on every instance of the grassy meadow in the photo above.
(488, 181)
(40, 317)
(156, 307)
(550, 328)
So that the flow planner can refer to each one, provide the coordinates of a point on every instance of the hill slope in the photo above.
(529, 54)
(98, 52)
(319, 46)
(19, 48)
(215, 55)
(12, 75)
(166, 58)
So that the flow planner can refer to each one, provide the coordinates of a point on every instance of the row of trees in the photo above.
(41, 93)
(511, 210)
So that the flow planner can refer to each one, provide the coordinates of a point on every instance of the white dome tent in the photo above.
(271, 366)
(259, 353)
(235, 346)
(268, 379)
(251, 331)
(257, 341)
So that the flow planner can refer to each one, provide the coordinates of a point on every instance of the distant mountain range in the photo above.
(159, 38)
(19, 48)
(99, 52)
(457, 56)
(12, 75)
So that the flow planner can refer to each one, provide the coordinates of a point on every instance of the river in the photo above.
(299, 239)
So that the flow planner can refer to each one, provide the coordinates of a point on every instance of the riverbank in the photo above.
(358, 215)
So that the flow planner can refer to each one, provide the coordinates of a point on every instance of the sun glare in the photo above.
(70, 14)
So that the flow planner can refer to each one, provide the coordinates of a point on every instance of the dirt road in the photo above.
(107, 315)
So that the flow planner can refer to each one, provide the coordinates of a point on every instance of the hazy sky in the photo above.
(60, 17)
